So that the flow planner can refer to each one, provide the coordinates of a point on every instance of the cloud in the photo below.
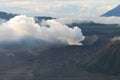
(103, 20)
(117, 38)
(52, 31)
(53, 7)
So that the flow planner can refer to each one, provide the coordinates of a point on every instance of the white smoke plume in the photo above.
(102, 20)
(21, 26)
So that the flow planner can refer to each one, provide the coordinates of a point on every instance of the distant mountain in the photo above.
(40, 18)
(7, 16)
(107, 60)
(113, 12)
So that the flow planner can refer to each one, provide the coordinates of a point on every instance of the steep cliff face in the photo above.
(106, 61)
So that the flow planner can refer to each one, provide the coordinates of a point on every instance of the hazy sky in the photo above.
(58, 8)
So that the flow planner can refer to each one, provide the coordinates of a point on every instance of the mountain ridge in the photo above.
(114, 12)
(8, 16)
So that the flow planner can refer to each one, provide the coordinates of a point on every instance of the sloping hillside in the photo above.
(107, 60)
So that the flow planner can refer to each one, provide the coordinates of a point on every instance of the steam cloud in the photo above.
(52, 31)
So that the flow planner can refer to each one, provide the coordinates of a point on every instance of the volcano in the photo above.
(106, 61)
(114, 12)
